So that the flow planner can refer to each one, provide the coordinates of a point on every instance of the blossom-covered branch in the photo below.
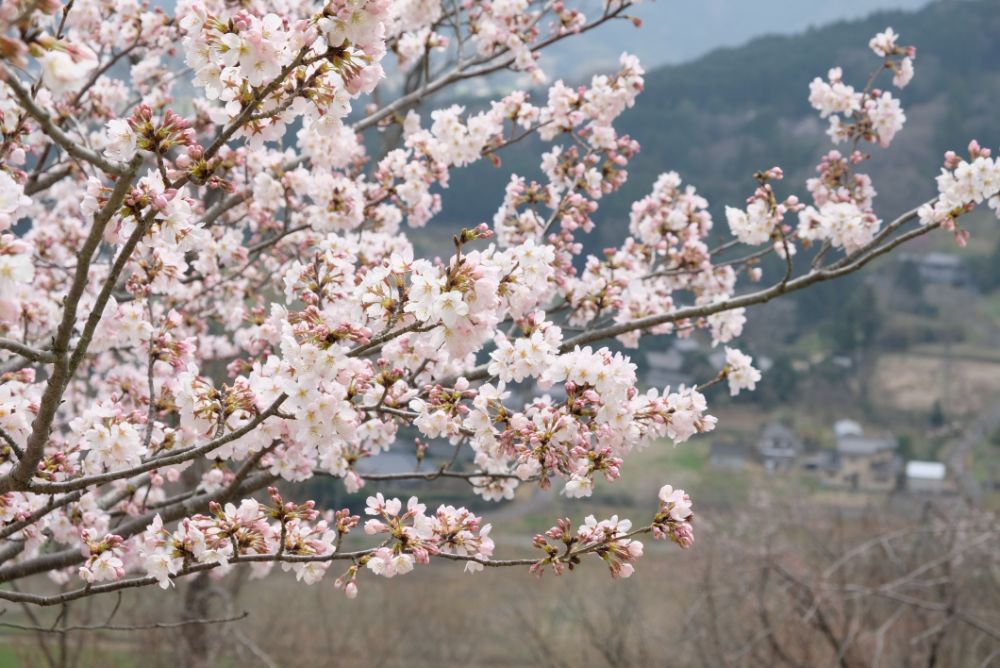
(207, 287)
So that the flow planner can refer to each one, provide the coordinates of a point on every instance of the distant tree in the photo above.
(908, 278)
(782, 380)
(986, 270)
(856, 326)
(937, 417)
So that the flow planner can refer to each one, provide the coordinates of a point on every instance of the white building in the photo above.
(926, 477)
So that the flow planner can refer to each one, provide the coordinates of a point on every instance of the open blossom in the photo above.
(727, 325)
(903, 73)
(15, 271)
(963, 183)
(844, 224)
(884, 43)
(115, 447)
(753, 226)
(162, 566)
(104, 561)
(834, 97)
(121, 140)
(387, 564)
(105, 566)
(578, 486)
(676, 501)
(887, 117)
(12, 198)
(740, 372)
(64, 72)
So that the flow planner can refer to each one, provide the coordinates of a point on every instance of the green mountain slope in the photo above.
(718, 119)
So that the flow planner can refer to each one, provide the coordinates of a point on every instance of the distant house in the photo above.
(940, 269)
(863, 462)
(824, 461)
(926, 477)
(729, 456)
(779, 448)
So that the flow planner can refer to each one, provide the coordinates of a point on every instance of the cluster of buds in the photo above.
(238, 399)
(202, 169)
(570, 19)
(204, 400)
(57, 465)
(103, 558)
(837, 183)
(952, 160)
(558, 558)
(349, 582)
(309, 326)
(286, 511)
(243, 527)
(165, 347)
(674, 519)
(610, 540)
(481, 231)
(160, 137)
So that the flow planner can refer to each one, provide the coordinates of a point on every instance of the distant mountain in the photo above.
(718, 119)
(675, 32)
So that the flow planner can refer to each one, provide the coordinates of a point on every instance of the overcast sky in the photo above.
(675, 31)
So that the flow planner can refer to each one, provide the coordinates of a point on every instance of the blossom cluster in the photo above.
(962, 185)
(415, 536)
(232, 532)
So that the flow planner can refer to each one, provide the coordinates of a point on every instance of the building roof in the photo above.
(864, 445)
(778, 432)
(824, 460)
(842, 428)
(778, 441)
(942, 259)
(926, 470)
(729, 450)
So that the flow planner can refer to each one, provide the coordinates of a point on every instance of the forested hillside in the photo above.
(718, 119)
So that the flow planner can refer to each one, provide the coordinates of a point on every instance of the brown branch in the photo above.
(27, 351)
(67, 143)
(159, 462)
(20, 476)
(127, 627)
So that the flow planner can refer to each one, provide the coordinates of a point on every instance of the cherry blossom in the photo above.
(66, 67)
(740, 373)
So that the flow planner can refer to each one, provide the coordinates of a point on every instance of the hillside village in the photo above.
(868, 433)
(858, 462)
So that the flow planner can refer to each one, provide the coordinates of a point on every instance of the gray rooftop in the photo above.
(864, 445)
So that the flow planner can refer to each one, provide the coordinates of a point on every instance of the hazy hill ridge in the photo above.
(721, 117)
